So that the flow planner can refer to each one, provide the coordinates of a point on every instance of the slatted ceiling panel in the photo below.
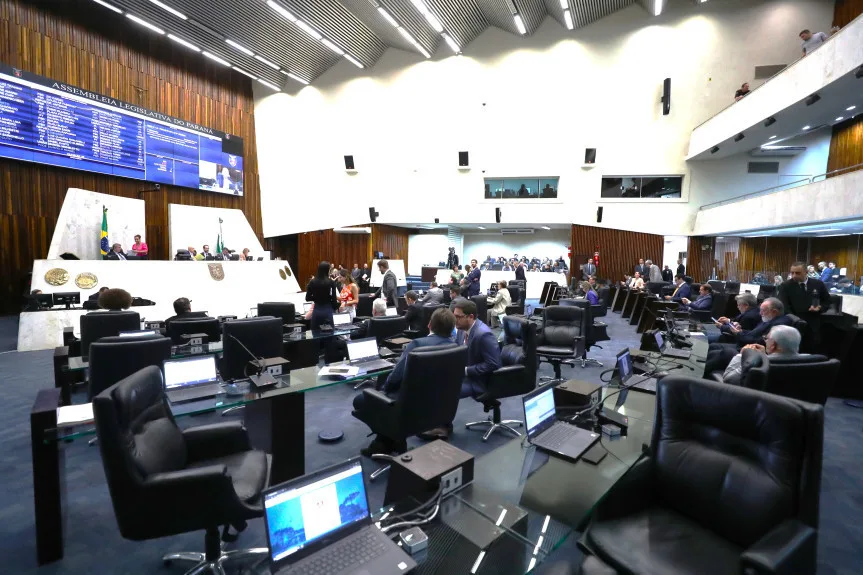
(461, 18)
(619, 250)
(532, 13)
(391, 240)
(586, 12)
(414, 22)
(63, 41)
(369, 15)
(339, 25)
(498, 13)
(553, 9)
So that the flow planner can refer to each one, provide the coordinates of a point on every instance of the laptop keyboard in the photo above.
(351, 552)
(194, 393)
(557, 435)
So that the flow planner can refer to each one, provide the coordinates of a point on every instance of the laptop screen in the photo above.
(181, 373)
(307, 306)
(341, 319)
(624, 366)
(365, 348)
(659, 341)
(310, 508)
(539, 411)
(391, 311)
(139, 333)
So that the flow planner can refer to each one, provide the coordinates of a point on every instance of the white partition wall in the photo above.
(79, 226)
(397, 267)
(196, 226)
(426, 250)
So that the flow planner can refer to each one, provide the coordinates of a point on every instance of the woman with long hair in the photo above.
(350, 294)
(323, 293)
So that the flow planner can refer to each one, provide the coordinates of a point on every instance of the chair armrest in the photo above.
(633, 492)
(184, 478)
(412, 333)
(506, 377)
(210, 441)
(790, 547)
(717, 376)
(378, 398)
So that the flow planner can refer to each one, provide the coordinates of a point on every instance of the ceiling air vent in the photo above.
(517, 231)
(763, 168)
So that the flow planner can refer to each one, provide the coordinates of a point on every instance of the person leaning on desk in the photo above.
(323, 293)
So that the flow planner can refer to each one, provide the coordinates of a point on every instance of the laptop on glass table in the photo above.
(549, 434)
(192, 378)
(343, 321)
(669, 351)
(363, 354)
(320, 523)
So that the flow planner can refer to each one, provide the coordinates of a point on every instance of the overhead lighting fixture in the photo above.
(182, 42)
(332, 47)
(388, 17)
(145, 24)
(831, 236)
(714, 149)
(267, 62)
(739, 137)
(270, 86)
(215, 58)
(308, 30)
(480, 227)
(244, 73)
(167, 8)
(519, 24)
(849, 108)
(451, 43)
(546, 228)
(407, 36)
(840, 118)
(568, 19)
(108, 6)
(657, 7)
(806, 127)
(564, 4)
(769, 121)
(281, 10)
(431, 18)
(354, 61)
(240, 47)
(297, 78)
(812, 99)
(771, 137)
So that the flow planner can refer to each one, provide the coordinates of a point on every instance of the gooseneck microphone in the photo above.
(260, 379)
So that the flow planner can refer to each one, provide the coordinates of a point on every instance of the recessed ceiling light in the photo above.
(188, 45)
(806, 127)
(332, 47)
(519, 24)
(240, 47)
(267, 62)
(167, 8)
(270, 86)
(849, 108)
(451, 43)
(840, 118)
(771, 137)
(388, 17)
(281, 10)
(108, 6)
(297, 78)
(567, 17)
(215, 58)
(308, 30)
(145, 24)
(480, 227)
(244, 73)
(354, 61)
(546, 228)
(657, 7)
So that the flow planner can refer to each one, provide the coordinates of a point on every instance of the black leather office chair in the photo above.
(281, 309)
(717, 308)
(99, 324)
(382, 328)
(729, 484)
(113, 358)
(732, 288)
(593, 331)
(753, 369)
(428, 396)
(166, 481)
(261, 335)
(805, 377)
(517, 375)
(562, 338)
(718, 286)
(481, 302)
(601, 308)
(179, 328)
(364, 304)
(427, 311)
(516, 293)
(765, 291)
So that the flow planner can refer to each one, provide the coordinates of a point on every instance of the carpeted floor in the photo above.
(94, 545)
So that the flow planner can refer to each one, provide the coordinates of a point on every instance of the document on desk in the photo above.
(69, 415)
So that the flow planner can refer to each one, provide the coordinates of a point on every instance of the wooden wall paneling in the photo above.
(844, 251)
(699, 261)
(75, 43)
(391, 240)
(845, 11)
(619, 250)
(326, 245)
(846, 146)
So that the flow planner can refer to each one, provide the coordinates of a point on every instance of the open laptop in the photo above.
(343, 321)
(669, 351)
(363, 354)
(549, 434)
(391, 311)
(191, 378)
(138, 333)
(320, 523)
(625, 373)
(307, 306)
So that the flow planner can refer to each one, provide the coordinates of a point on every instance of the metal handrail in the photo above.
(774, 189)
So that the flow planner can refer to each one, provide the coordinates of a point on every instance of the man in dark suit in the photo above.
(483, 356)
(681, 290)
(719, 355)
(667, 274)
(440, 326)
(642, 268)
(807, 298)
(588, 269)
(519, 271)
(414, 312)
(116, 253)
(704, 301)
(748, 318)
(473, 279)
(681, 269)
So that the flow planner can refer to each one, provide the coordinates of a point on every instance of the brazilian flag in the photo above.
(103, 238)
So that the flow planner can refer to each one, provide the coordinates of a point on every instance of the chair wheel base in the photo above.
(204, 565)
(589, 361)
(506, 424)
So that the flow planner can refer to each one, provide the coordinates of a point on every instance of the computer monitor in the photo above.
(623, 364)
(45, 299)
(307, 307)
(182, 372)
(341, 319)
(67, 298)
(261, 335)
(281, 309)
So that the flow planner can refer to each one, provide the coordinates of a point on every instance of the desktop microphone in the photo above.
(261, 379)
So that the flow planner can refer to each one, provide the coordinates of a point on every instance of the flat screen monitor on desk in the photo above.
(46, 300)
(67, 298)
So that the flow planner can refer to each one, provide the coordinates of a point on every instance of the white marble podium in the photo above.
(243, 286)
(535, 280)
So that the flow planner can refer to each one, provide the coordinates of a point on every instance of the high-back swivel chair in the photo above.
(562, 338)
(98, 324)
(115, 358)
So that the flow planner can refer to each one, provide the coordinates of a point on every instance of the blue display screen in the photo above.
(52, 123)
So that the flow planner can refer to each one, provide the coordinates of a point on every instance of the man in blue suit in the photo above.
(719, 355)
(473, 279)
(826, 272)
(441, 326)
(681, 290)
(483, 356)
(704, 301)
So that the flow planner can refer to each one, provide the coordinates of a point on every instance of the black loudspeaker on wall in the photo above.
(590, 155)
(497, 215)
(463, 159)
(599, 215)
(349, 162)
(373, 215)
(666, 97)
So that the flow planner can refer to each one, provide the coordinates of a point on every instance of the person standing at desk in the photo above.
(322, 292)
(807, 298)
(473, 279)
(350, 294)
(519, 271)
(389, 289)
(681, 269)
(139, 248)
(667, 274)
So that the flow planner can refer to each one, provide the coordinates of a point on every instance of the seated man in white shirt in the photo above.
(781, 340)
(498, 303)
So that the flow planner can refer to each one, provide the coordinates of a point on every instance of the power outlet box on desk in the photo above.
(577, 394)
(419, 472)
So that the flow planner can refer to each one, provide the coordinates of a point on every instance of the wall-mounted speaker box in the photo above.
(463, 161)
(497, 215)
(599, 214)
(666, 97)
(590, 155)
(373, 215)
(349, 163)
